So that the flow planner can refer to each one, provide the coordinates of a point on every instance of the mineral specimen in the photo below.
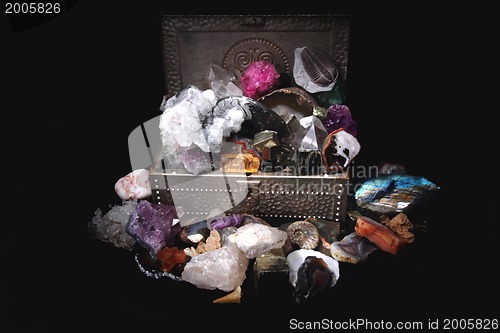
(134, 185)
(212, 242)
(393, 192)
(245, 145)
(271, 274)
(196, 161)
(310, 162)
(258, 117)
(390, 168)
(254, 239)
(339, 149)
(223, 268)
(233, 220)
(153, 225)
(290, 101)
(311, 135)
(181, 123)
(240, 163)
(171, 257)
(352, 248)
(222, 82)
(259, 78)
(112, 227)
(192, 234)
(400, 224)
(380, 235)
(334, 96)
(310, 272)
(339, 116)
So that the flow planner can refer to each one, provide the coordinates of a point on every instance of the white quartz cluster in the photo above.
(254, 239)
(225, 268)
(187, 122)
(222, 268)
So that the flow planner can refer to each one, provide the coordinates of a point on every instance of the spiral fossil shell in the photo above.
(303, 235)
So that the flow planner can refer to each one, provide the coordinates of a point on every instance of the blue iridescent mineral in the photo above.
(393, 192)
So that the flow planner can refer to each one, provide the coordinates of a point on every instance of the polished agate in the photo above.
(311, 272)
(339, 149)
(134, 185)
(380, 235)
(353, 248)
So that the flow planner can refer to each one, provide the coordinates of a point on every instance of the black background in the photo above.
(420, 84)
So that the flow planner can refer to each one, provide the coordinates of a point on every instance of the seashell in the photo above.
(318, 66)
(303, 235)
(311, 272)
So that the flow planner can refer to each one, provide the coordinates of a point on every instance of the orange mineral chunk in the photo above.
(243, 162)
(171, 257)
(379, 234)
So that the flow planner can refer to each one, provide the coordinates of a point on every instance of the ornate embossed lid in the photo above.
(190, 43)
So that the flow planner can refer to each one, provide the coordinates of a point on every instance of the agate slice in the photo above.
(311, 272)
(339, 149)
(353, 249)
(291, 101)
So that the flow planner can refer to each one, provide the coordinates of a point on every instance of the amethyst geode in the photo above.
(153, 226)
(339, 116)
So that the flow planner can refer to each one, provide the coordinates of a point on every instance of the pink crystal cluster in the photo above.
(259, 78)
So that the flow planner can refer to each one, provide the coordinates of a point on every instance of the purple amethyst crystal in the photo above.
(152, 225)
(226, 221)
(339, 116)
(196, 161)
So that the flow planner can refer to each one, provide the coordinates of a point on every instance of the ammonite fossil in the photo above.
(303, 235)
